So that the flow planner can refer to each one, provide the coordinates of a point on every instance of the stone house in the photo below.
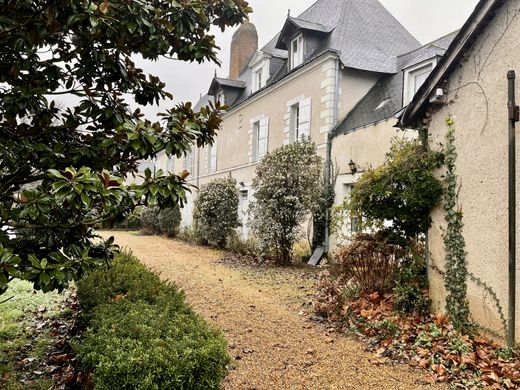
(470, 85)
(338, 73)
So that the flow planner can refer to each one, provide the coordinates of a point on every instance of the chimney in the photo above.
(244, 45)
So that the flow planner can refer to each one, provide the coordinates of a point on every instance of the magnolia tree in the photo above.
(62, 170)
(287, 190)
(215, 213)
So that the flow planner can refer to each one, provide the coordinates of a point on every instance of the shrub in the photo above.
(215, 213)
(133, 221)
(246, 247)
(169, 221)
(370, 263)
(150, 220)
(287, 193)
(403, 190)
(142, 335)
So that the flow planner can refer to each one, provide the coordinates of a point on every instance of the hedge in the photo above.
(142, 335)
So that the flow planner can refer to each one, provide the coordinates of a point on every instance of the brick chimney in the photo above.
(244, 45)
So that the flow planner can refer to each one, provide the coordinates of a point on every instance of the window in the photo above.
(188, 161)
(170, 164)
(415, 78)
(258, 81)
(296, 52)
(212, 158)
(300, 120)
(260, 71)
(260, 138)
(220, 98)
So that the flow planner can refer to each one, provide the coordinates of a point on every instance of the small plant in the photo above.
(387, 329)
(370, 263)
(435, 331)
(246, 247)
(215, 214)
(423, 340)
(458, 346)
(133, 221)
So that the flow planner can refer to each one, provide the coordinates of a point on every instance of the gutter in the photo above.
(328, 159)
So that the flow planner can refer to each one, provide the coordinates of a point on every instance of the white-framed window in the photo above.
(300, 120)
(260, 138)
(260, 74)
(212, 158)
(188, 161)
(170, 164)
(415, 77)
(258, 82)
(220, 98)
(296, 52)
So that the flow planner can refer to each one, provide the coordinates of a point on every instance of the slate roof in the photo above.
(385, 99)
(365, 33)
(203, 102)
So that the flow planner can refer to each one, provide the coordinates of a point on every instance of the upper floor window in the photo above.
(296, 52)
(300, 120)
(212, 158)
(188, 161)
(258, 82)
(260, 138)
(414, 78)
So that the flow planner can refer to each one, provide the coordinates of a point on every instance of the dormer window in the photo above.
(258, 81)
(415, 77)
(260, 70)
(220, 98)
(296, 52)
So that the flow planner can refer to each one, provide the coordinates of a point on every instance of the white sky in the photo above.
(425, 19)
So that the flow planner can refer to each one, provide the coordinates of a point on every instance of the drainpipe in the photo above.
(328, 158)
(513, 118)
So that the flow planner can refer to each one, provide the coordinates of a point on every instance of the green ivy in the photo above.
(455, 278)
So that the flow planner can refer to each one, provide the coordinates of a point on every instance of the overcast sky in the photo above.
(425, 19)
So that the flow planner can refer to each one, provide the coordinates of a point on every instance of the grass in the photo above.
(17, 339)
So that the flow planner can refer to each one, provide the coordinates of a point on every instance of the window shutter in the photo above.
(256, 129)
(213, 157)
(305, 117)
(263, 136)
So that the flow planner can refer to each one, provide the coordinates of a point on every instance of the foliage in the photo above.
(246, 247)
(403, 190)
(455, 278)
(150, 220)
(215, 213)
(370, 263)
(133, 221)
(411, 282)
(169, 221)
(142, 335)
(286, 193)
(62, 169)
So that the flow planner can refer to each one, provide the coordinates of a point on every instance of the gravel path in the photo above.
(261, 311)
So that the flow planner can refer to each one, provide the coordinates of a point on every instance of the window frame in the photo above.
(296, 60)
(295, 121)
(221, 97)
(411, 73)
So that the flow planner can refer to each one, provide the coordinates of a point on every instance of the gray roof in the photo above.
(365, 33)
(271, 49)
(385, 99)
(203, 102)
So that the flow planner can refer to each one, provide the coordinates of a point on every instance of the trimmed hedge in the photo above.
(142, 335)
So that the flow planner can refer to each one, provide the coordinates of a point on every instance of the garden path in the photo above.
(263, 314)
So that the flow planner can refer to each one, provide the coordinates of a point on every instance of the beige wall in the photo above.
(478, 104)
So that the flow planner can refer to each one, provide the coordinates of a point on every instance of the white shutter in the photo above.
(263, 136)
(305, 117)
(213, 158)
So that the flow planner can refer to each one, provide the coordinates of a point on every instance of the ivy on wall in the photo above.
(455, 278)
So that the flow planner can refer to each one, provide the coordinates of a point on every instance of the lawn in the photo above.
(23, 338)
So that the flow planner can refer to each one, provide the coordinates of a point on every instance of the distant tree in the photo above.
(287, 190)
(215, 213)
(62, 171)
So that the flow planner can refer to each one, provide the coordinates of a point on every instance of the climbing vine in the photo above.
(455, 278)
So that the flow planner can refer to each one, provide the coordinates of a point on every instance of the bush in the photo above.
(150, 220)
(215, 213)
(133, 221)
(287, 192)
(169, 221)
(403, 190)
(370, 263)
(246, 247)
(142, 335)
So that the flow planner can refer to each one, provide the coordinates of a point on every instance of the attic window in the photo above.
(296, 52)
(415, 77)
(220, 98)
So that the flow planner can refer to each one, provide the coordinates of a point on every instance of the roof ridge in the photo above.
(431, 43)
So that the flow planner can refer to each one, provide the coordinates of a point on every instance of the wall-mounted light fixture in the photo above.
(353, 166)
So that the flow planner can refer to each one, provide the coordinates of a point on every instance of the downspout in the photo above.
(513, 118)
(328, 158)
